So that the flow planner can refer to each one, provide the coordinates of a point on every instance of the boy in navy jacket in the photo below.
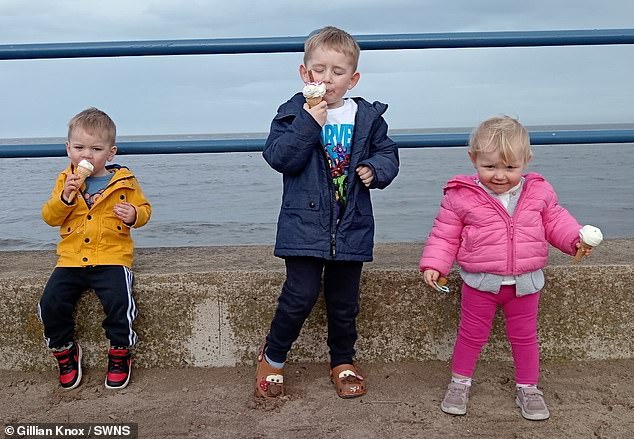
(330, 156)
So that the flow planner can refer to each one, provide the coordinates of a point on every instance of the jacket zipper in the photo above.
(333, 244)
(333, 230)
(512, 223)
(511, 253)
(333, 221)
(510, 227)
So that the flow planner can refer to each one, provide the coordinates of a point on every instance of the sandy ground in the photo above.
(587, 400)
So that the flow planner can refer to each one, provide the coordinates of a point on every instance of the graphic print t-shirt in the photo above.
(336, 136)
(95, 187)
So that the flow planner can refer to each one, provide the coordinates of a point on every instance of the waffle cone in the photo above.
(581, 252)
(83, 174)
(314, 101)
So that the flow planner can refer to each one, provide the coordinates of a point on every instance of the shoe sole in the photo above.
(348, 395)
(122, 386)
(453, 410)
(531, 417)
(78, 370)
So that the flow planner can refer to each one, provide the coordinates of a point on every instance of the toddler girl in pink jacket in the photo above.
(498, 224)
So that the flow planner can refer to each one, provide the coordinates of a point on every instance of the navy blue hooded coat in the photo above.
(307, 224)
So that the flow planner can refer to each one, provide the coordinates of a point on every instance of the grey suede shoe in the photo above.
(531, 401)
(456, 399)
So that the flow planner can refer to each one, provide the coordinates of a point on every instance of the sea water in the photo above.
(234, 198)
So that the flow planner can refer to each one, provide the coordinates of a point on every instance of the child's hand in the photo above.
(318, 112)
(125, 212)
(430, 277)
(71, 185)
(587, 250)
(365, 174)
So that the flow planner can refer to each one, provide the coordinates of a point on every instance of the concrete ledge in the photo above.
(212, 307)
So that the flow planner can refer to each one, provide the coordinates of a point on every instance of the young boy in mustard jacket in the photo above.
(95, 217)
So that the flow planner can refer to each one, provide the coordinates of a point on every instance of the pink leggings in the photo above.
(476, 319)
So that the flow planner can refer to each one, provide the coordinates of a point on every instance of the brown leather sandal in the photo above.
(269, 380)
(349, 383)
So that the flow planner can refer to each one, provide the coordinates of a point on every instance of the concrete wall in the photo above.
(212, 307)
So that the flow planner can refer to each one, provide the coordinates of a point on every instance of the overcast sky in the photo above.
(240, 93)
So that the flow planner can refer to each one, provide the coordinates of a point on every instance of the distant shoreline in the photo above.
(259, 135)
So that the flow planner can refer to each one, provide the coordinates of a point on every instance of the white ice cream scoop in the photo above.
(591, 235)
(86, 164)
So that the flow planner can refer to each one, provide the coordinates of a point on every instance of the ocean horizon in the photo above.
(234, 198)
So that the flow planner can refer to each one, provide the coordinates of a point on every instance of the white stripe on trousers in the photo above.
(131, 312)
(39, 316)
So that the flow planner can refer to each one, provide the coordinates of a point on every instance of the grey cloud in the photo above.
(197, 94)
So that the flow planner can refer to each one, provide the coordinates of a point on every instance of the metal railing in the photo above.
(429, 140)
(295, 44)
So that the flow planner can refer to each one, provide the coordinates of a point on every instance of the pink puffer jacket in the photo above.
(475, 229)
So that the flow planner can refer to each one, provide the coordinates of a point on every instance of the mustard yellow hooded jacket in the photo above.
(96, 236)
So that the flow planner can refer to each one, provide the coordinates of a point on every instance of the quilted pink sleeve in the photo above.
(562, 229)
(441, 248)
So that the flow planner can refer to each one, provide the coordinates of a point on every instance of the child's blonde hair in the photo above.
(92, 120)
(332, 38)
(503, 134)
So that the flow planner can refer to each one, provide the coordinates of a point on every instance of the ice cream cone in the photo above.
(314, 101)
(313, 91)
(590, 237)
(83, 172)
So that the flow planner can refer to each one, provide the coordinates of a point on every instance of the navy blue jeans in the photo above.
(298, 297)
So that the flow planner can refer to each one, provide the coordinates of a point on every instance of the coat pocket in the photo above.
(359, 229)
(70, 234)
(303, 201)
(116, 227)
(300, 223)
(115, 236)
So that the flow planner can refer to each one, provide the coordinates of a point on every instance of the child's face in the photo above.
(494, 173)
(93, 147)
(335, 69)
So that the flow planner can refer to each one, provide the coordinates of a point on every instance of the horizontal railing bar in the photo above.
(428, 140)
(585, 37)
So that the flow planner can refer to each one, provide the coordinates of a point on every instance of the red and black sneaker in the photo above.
(69, 361)
(119, 365)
